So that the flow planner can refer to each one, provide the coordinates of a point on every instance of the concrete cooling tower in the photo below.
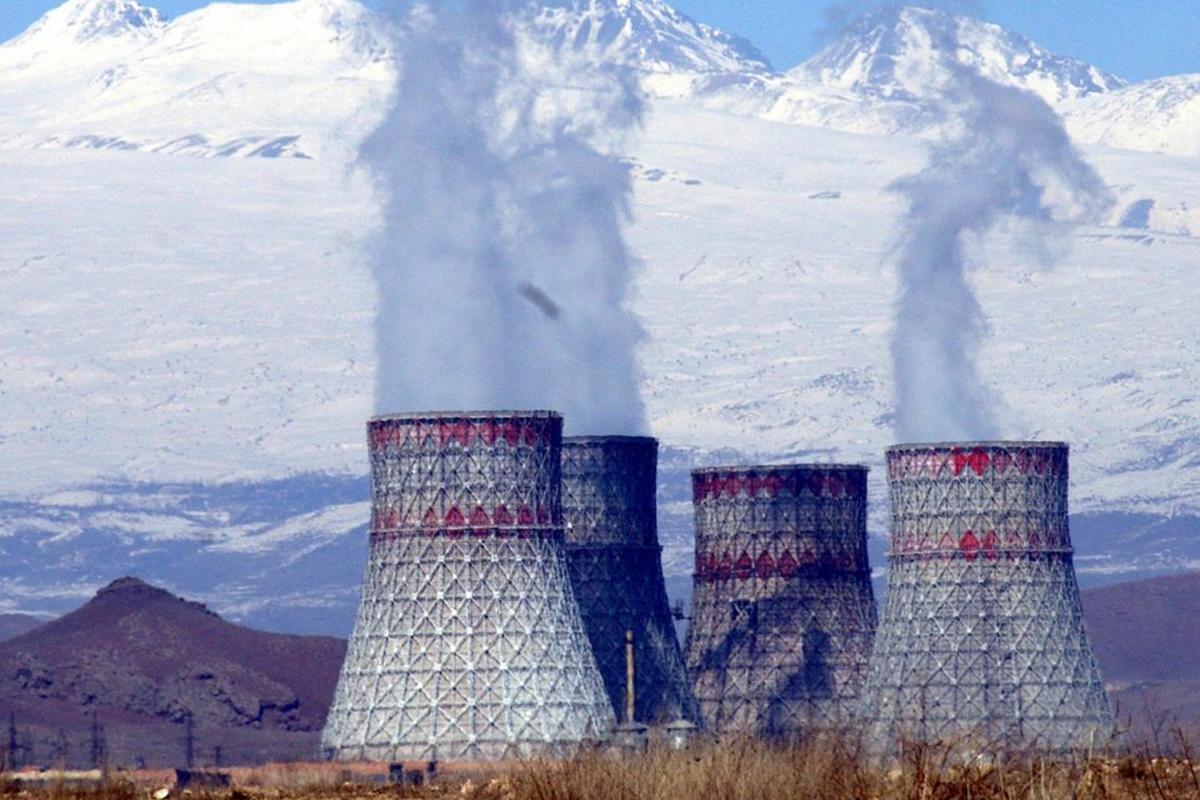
(468, 642)
(610, 511)
(982, 641)
(783, 613)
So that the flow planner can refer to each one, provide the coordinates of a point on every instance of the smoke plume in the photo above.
(502, 270)
(1007, 159)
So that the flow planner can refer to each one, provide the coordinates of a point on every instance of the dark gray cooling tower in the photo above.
(468, 642)
(783, 612)
(982, 640)
(609, 507)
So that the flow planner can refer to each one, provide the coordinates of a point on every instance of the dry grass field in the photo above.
(826, 770)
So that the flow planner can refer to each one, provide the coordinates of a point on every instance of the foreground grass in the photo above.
(731, 771)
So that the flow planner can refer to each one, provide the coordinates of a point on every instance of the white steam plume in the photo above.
(1009, 158)
(502, 270)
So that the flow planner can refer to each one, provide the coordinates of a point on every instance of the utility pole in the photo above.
(62, 749)
(97, 742)
(189, 741)
(12, 740)
(630, 676)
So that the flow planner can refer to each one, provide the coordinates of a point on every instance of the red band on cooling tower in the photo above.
(771, 483)
(985, 546)
(975, 462)
(514, 532)
(396, 434)
(479, 523)
(711, 568)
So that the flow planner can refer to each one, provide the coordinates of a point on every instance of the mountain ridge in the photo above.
(306, 78)
(110, 27)
(146, 662)
(14, 625)
(885, 52)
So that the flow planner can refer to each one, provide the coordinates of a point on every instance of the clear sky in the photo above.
(1136, 39)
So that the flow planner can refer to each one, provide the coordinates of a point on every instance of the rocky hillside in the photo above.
(15, 624)
(144, 661)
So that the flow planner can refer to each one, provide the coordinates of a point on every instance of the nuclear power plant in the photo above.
(468, 642)
(610, 512)
(783, 613)
(982, 639)
(514, 600)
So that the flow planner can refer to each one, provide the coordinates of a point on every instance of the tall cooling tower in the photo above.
(468, 642)
(981, 639)
(609, 506)
(783, 613)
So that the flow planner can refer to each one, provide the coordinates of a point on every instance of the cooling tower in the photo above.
(610, 511)
(783, 613)
(468, 642)
(981, 639)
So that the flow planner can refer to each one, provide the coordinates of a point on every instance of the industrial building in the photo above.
(982, 641)
(610, 514)
(468, 642)
(783, 612)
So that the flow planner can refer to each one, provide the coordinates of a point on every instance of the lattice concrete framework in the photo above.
(982, 640)
(468, 642)
(610, 511)
(783, 613)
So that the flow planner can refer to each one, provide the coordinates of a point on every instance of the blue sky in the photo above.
(1136, 39)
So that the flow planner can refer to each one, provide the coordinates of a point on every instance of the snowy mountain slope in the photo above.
(174, 311)
(647, 34)
(222, 276)
(285, 553)
(675, 54)
(899, 52)
(97, 29)
(307, 78)
(295, 79)
(299, 79)
(887, 71)
(154, 425)
(1160, 115)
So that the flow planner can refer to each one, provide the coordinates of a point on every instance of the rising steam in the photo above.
(1009, 158)
(501, 266)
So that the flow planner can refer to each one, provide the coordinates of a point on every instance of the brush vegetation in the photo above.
(823, 770)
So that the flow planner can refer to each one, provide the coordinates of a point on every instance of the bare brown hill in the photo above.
(1147, 639)
(145, 661)
(15, 624)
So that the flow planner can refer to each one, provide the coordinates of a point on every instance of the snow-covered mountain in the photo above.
(86, 27)
(307, 78)
(900, 53)
(293, 79)
(648, 34)
(186, 356)
(1157, 116)
(887, 72)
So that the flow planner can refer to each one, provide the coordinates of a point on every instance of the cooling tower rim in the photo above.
(995, 444)
(436, 416)
(743, 469)
(581, 441)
